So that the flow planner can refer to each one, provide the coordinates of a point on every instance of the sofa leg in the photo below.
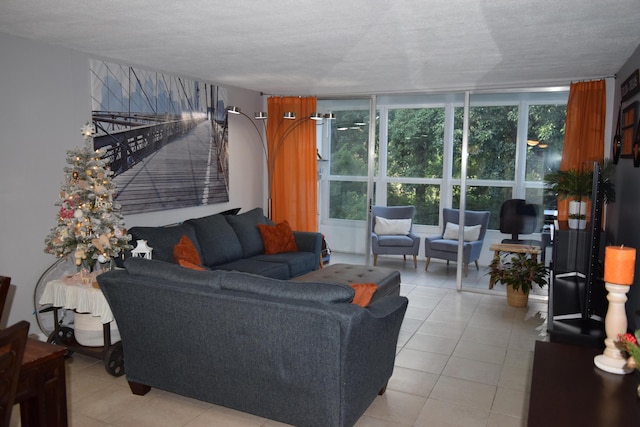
(375, 260)
(139, 389)
(382, 390)
(426, 267)
(477, 266)
(415, 261)
(466, 270)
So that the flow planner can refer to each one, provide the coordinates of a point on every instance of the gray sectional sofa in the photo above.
(295, 352)
(234, 242)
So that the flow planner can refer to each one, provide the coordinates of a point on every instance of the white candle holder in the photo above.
(615, 322)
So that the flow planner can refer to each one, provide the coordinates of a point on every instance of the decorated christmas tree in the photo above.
(89, 223)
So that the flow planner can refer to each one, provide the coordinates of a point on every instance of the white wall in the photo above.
(44, 101)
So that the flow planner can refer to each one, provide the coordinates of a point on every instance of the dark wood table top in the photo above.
(567, 389)
(38, 352)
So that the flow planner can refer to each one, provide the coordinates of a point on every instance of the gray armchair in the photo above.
(390, 241)
(446, 247)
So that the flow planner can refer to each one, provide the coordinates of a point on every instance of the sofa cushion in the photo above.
(305, 291)
(297, 263)
(274, 270)
(277, 238)
(394, 240)
(186, 251)
(246, 227)
(173, 273)
(386, 226)
(471, 232)
(445, 245)
(164, 239)
(219, 243)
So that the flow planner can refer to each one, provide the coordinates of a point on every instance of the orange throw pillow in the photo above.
(277, 238)
(364, 293)
(185, 251)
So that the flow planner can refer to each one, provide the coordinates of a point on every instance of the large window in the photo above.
(514, 140)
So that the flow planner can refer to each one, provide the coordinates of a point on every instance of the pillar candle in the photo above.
(619, 264)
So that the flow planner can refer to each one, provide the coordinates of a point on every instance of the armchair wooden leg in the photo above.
(477, 266)
(375, 260)
(415, 261)
(405, 257)
(426, 267)
(466, 270)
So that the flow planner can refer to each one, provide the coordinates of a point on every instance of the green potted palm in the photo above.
(576, 184)
(519, 273)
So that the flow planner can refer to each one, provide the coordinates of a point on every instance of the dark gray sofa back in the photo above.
(217, 239)
(301, 362)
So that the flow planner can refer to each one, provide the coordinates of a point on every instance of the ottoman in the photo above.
(388, 280)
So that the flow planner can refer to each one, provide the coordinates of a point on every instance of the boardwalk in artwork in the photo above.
(189, 171)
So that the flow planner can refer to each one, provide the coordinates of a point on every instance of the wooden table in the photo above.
(513, 248)
(568, 390)
(42, 390)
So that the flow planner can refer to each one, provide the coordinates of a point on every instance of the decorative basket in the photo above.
(516, 298)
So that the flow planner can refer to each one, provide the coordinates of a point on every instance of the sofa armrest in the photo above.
(308, 241)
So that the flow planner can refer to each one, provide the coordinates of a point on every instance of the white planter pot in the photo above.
(582, 224)
(579, 208)
(573, 223)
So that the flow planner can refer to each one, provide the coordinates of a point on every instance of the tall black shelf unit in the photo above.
(577, 297)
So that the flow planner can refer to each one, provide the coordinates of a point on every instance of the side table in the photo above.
(83, 298)
(568, 390)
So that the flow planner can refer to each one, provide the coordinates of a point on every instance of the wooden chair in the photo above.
(5, 282)
(12, 343)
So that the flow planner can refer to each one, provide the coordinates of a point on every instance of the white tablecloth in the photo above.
(82, 298)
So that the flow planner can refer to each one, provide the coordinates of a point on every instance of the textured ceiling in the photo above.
(335, 47)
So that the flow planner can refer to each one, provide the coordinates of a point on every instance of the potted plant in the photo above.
(519, 274)
(576, 184)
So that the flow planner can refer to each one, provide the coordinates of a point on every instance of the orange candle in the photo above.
(619, 264)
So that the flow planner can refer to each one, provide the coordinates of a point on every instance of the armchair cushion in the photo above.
(471, 232)
(386, 226)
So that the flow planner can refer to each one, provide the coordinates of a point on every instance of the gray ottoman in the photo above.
(388, 280)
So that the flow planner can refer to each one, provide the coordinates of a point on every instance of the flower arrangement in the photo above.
(629, 343)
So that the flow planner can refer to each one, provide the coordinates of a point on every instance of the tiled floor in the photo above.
(464, 359)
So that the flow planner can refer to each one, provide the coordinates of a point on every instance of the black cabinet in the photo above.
(577, 297)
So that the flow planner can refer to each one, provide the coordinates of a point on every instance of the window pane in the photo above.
(348, 200)
(416, 143)
(349, 143)
(492, 142)
(546, 130)
(425, 198)
(484, 199)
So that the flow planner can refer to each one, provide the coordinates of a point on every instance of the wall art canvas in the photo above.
(165, 137)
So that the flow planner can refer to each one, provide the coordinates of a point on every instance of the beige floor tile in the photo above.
(108, 404)
(463, 392)
(486, 336)
(511, 402)
(421, 360)
(396, 406)
(472, 370)
(412, 382)
(442, 329)
(501, 420)
(159, 411)
(367, 421)
(515, 378)
(437, 413)
(431, 343)
(480, 352)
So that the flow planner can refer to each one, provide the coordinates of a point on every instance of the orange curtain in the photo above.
(584, 130)
(293, 164)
